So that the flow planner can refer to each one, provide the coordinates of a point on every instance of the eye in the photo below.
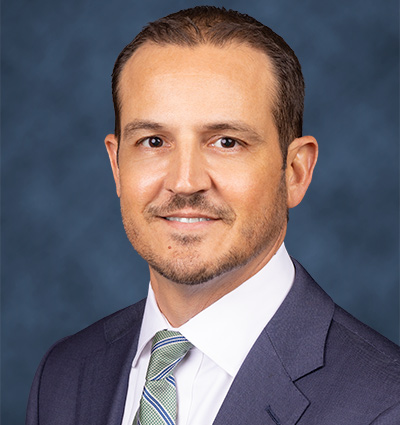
(225, 142)
(152, 142)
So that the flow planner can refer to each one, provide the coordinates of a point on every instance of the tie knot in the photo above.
(168, 349)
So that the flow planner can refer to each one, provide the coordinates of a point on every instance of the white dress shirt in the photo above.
(222, 336)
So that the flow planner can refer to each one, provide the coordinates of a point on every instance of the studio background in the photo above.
(66, 261)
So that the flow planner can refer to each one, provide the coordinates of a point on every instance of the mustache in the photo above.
(196, 201)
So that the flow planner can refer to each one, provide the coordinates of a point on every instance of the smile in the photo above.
(187, 219)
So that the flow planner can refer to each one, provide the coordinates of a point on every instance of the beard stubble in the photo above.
(188, 268)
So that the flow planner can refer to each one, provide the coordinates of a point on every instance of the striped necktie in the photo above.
(158, 405)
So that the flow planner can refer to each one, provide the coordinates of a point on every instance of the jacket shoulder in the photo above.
(105, 331)
(366, 344)
(360, 378)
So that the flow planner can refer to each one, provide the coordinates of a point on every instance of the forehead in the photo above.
(234, 61)
(205, 83)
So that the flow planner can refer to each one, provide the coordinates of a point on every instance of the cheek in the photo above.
(249, 186)
(139, 183)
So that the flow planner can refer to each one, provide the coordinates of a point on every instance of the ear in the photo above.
(112, 149)
(301, 159)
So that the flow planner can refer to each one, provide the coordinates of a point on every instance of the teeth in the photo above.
(187, 220)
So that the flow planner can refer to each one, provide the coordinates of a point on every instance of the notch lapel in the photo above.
(262, 392)
(291, 346)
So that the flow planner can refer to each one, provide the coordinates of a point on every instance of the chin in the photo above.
(190, 271)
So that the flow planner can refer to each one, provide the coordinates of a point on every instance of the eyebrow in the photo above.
(141, 125)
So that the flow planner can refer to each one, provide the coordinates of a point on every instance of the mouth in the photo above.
(187, 219)
(190, 212)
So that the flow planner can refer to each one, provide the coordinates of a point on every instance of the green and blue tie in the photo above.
(158, 405)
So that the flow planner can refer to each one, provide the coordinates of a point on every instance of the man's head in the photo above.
(197, 155)
(220, 27)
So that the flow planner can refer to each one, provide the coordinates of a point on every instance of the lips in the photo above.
(187, 219)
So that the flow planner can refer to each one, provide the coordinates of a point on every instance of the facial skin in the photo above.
(203, 189)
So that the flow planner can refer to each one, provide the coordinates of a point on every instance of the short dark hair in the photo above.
(218, 26)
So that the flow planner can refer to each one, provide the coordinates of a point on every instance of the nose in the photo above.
(187, 170)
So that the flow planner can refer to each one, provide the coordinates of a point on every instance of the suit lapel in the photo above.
(262, 392)
(105, 374)
(291, 346)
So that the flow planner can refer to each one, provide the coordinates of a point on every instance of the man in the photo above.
(207, 157)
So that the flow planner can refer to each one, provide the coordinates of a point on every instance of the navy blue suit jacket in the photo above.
(312, 364)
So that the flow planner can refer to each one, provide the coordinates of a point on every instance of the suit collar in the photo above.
(299, 328)
(119, 324)
(291, 346)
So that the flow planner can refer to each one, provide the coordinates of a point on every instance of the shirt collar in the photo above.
(153, 321)
(226, 330)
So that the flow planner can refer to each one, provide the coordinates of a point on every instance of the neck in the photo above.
(179, 302)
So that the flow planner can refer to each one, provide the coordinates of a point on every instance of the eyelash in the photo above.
(142, 141)
(235, 141)
(147, 139)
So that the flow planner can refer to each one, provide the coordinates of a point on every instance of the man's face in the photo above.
(200, 173)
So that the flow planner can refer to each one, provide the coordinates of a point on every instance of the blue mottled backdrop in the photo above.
(65, 259)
